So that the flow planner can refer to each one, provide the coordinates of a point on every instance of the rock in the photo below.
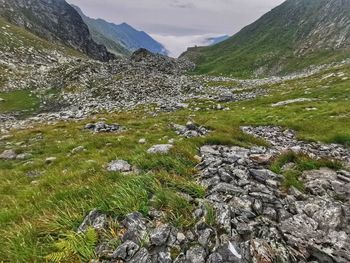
(94, 219)
(126, 251)
(78, 149)
(103, 127)
(24, 156)
(142, 256)
(50, 160)
(142, 141)
(215, 258)
(287, 102)
(160, 149)
(136, 229)
(119, 166)
(180, 237)
(190, 130)
(261, 158)
(2, 100)
(263, 175)
(8, 155)
(196, 254)
(159, 236)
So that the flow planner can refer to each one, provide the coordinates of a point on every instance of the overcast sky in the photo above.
(179, 23)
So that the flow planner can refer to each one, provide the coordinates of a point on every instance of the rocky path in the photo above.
(245, 216)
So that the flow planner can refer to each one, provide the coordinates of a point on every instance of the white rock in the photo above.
(142, 141)
(160, 148)
(119, 166)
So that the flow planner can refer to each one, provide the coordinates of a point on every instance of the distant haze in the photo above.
(178, 24)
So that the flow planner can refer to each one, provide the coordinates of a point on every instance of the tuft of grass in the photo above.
(291, 178)
(210, 216)
(342, 139)
(131, 194)
(178, 210)
(303, 162)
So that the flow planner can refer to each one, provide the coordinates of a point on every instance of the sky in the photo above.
(179, 24)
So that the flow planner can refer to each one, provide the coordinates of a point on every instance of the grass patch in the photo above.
(178, 209)
(302, 162)
(19, 101)
(291, 179)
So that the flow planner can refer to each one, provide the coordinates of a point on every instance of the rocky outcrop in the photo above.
(245, 217)
(54, 20)
(283, 140)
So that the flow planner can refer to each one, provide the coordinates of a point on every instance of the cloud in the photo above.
(176, 45)
(179, 24)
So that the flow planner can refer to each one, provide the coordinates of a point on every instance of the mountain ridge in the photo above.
(290, 37)
(124, 35)
(54, 21)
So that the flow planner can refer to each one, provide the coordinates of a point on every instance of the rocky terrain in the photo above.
(292, 36)
(54, 21)
(137, 160)
(244, 217)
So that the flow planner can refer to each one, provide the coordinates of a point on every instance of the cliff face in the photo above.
(54, 20)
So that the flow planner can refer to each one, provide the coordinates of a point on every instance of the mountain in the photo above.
(216, 40)
(292, 36)
(53, 20)
(126, 38)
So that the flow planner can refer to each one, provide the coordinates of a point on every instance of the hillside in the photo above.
(54, 21)
(126, 38)
(294, 35)
(133, 160)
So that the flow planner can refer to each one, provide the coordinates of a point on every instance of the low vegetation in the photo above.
(22, 101)
(42, 203)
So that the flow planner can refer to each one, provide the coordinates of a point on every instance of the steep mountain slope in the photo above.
(217, 40)
(127, 38)
(292, 36)
(54, 20)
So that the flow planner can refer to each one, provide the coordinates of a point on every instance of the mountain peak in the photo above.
(127, 38)
(62, 24)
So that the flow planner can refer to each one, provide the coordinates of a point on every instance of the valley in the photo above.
(139, 157)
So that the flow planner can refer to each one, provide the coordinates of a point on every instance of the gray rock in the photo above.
(24, 156)
(119, 166)
(196, 254)
(159, 235)
(142, 256)
(94, 219)
(160, 149)
(8, 155)
(78, 149)
(126, 251)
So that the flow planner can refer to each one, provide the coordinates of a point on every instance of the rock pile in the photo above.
(285, 140)
(253, 220)
(190, 130)
(103, 127)
(265, 224)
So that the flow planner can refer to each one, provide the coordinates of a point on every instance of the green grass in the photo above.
(267, 48)
(37, 211)
(19, 101)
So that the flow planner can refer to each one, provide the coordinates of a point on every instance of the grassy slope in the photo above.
(15, 39)
(38, 210)
(22, 100)
(269, 43)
